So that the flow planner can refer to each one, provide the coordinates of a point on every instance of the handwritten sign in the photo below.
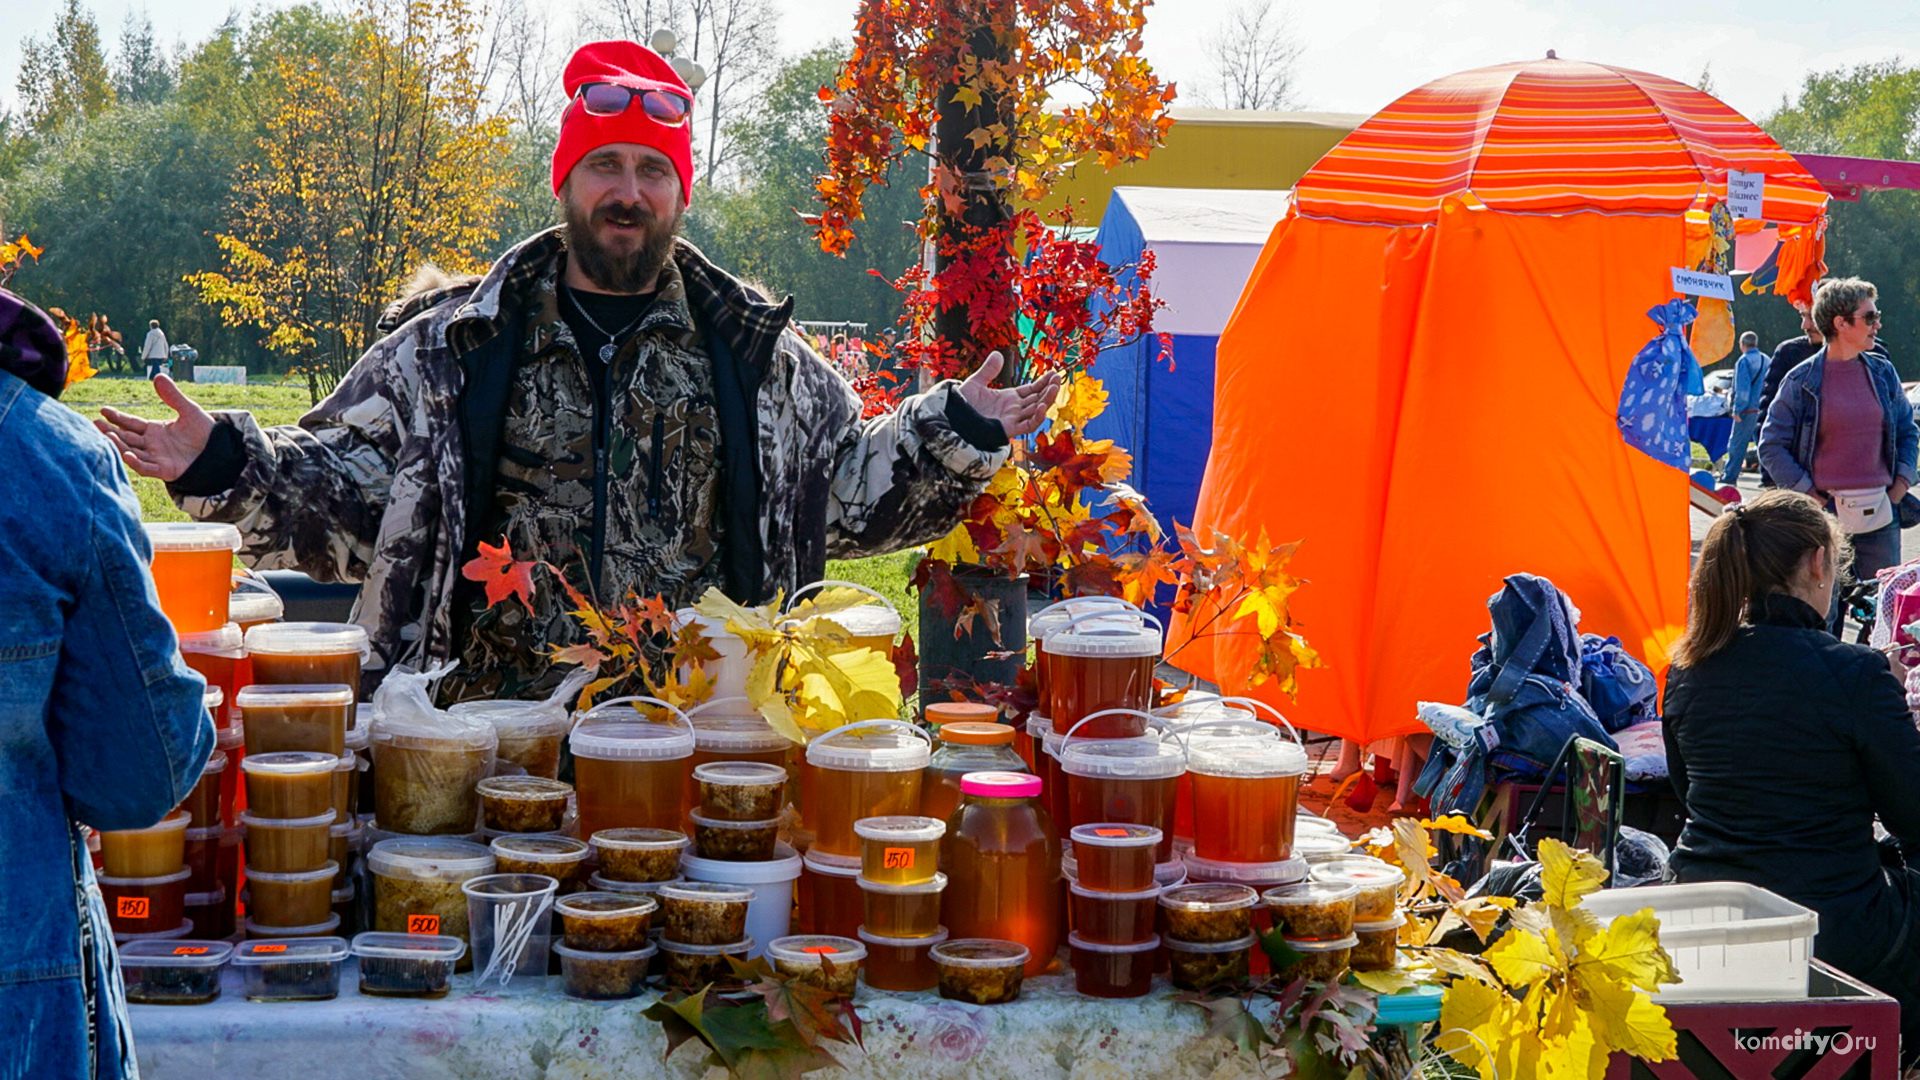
(132, 907)
(898, 858)
(1695, 283)
(423, 924)
(1745, 192)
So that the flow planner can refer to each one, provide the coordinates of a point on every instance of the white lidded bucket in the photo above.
(771, 909)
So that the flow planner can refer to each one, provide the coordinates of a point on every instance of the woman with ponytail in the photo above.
(1786, 743)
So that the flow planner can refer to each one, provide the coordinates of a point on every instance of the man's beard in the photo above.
(619, 271)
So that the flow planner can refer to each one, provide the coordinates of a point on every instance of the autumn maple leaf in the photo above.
(1141, 575)
(502, 574)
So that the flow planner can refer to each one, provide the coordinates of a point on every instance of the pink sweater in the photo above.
(1848, 450)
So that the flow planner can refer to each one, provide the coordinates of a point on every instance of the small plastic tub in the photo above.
(1114, 918)
(830, 898)
(154, 851)
(605, 921)
(704, 912)
(770, 913)
(734, 841)
(193, 571)
(1197, 965)
(639, 854)
(180, 971)
(980, 971)
(211, 910)
(1209, 913)
(903, 911)
(1115, 856)
(287, 845)
(829, 962)
(1320, 847)
(252, 602)
(296, 653)
(1319, 961)
(689, 967)
(1313, 910)
(343, 839)
(203, 859)
(329, 928)
(1378, 881)
(406, 965)
(302, 716)
(901, 963)
(417, 885)
(1376, 944)
(740, 790)
(561, 858)
(203, 804)
(280, 900)
(1305, 824)
(1113, 971)
(290, 784)
(1255, 876)
(604, 976)
(529, 733)
(145, 905)
(602, 883)
(523, 804)
(292, 969)
(899, 849)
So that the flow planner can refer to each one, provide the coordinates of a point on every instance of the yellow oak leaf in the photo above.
(1460, 964)
(1567, 875)
(1522, 958)
(1390, 981)
(1081, 399)
(1629, 952)
(956, 547)
(1627, 1019)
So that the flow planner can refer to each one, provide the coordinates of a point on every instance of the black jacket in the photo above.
(1784, 746)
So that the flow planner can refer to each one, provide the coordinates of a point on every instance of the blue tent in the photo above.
(1204, 242)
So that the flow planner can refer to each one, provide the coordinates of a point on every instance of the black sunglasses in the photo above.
(1871, 318)
(666, 107)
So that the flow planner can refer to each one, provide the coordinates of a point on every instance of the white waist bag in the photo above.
(1863, 510)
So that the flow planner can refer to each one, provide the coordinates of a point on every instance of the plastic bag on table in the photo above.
(427, 762)
(1644, 746)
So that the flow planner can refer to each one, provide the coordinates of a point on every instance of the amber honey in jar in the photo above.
(193, 571)
(311, 717)
(155, 851)
(1001, 855)
(202, 804)
(867, 769)
(306, 653)
(1054, 617)
(1099, 662)
(899, 849)
(901, 963)
(964, 746)
(217, 656)
(1114, 856)
(628, 770)
(290, 784)
(1129, 781)
(831, 901)
(1198, 715)
(1245, 794)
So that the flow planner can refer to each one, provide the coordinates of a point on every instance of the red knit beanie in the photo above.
(623, 63)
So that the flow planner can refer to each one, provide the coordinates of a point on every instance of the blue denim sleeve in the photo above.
(126, 716)
(1906, 438)
(1776, 438)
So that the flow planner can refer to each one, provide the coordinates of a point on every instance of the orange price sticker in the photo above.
(269, 948)
(819, 950)
(132, 907)
(423, 924)
(190, 950)
(898, 858)
(1109, 832)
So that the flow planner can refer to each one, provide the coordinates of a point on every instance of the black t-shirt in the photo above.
(601, 319)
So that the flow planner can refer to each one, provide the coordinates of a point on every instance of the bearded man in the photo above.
(605, 398)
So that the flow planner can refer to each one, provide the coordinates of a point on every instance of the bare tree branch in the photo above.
(1256, 52)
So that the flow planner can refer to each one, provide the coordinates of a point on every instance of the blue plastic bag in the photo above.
(1653, 401)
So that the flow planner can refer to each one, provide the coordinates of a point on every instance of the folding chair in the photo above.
(1596, 800)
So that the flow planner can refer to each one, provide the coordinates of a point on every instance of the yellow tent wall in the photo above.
(1211, 148)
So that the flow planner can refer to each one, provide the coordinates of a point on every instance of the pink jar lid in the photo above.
(1000, 785)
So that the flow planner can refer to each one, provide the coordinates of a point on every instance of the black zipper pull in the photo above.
(653, 480)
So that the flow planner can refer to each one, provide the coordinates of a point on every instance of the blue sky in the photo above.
(1359, 54)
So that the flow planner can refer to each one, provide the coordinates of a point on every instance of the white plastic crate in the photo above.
(1730, 941)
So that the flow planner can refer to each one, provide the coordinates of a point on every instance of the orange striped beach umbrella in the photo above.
(1420, 380)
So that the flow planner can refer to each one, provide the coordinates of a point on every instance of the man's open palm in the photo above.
(152, 448)
(1020, 409)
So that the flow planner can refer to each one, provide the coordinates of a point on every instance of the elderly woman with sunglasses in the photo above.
(1841, 429)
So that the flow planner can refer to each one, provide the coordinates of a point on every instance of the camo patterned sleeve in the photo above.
(899, 479)
(311, 495)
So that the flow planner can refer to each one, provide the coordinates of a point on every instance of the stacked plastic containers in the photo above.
(292, 807)
(1313, 912)
(1209, 934)
(1114, 903)
(736, 843)
(143, 879)
(900, 885)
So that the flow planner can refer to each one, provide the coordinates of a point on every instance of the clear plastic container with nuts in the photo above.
(688, 967)
(980, 971)
(1376, 944)
(704, 913)
(1209, 913)
(734, 841)
(639, 854)
(1318, 961)
(1378, 881)
(605, 921)
(561, 858)
(1313, 910)
(740, 790)
(1196, 965)
(831, 963)
(523, 804)
(603, 976)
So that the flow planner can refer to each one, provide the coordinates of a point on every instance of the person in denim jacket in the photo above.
(1842, 422)
(100, 719)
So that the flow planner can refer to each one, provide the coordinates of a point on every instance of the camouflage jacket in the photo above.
(386, 481)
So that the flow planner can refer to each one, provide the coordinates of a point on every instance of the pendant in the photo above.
(606, 353)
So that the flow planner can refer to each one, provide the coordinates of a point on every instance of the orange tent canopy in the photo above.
(1421, 378)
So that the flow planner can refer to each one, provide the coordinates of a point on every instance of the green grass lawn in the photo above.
(284, 404)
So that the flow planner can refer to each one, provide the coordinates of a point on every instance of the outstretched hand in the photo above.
(157, 449)
(1020, 409)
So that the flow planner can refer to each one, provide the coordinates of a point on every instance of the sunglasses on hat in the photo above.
(666, 107)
